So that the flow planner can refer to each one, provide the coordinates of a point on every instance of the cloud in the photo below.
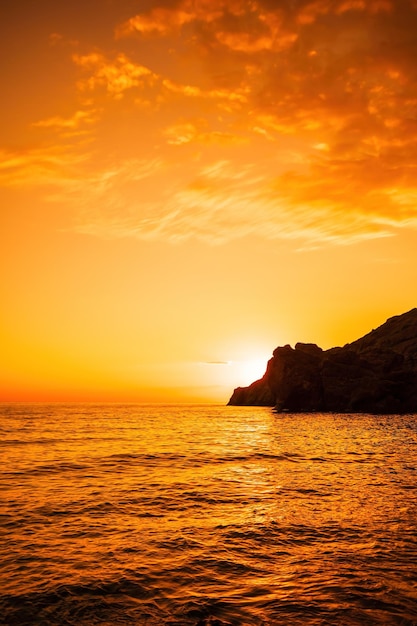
(195, 131)
(122, 74)
(247, 42)
(53, 166)
(192, 91)
(239, 26)
(117, 76)
(163, 20)
(292, 120)
(221, 203)
(78, 123)
(217, 363)
(159, 21)
(303, 65)
(311, 11)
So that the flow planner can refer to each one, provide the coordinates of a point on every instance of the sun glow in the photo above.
(246, 372)
(221, 377)
(171, 212)
(250, 370)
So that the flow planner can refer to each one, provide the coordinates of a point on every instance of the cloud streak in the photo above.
(221, 204)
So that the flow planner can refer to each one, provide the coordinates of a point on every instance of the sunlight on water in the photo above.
(201, 515)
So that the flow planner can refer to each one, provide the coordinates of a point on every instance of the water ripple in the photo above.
(197, 516)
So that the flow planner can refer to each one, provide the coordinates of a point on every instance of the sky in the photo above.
(185, 185)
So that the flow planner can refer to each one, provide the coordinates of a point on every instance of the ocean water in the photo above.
(206, 515)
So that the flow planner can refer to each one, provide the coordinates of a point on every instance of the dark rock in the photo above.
(375, 374)
(309, 348)
(257, 394)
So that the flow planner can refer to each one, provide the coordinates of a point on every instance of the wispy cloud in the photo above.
(48, 166)
(196, 131)
(193, 91)
(221, 204)
(77, 124)
(217, 362)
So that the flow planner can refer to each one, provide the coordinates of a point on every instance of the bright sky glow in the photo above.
(188, 183)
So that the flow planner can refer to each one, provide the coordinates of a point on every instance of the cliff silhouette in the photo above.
(374, 374)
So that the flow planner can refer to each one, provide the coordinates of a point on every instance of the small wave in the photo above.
(29, 442)
(53, 468)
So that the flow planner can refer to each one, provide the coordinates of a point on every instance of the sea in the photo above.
(206, 515)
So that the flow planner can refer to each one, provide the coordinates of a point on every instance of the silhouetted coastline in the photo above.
(374, 374)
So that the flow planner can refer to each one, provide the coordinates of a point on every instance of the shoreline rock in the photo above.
(374, 374)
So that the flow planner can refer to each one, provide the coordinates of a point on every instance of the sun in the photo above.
(247, 371)
(224, 376)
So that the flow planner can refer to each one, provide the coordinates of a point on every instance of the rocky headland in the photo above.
(375, 374)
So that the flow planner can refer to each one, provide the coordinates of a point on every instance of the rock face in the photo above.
(375, 374)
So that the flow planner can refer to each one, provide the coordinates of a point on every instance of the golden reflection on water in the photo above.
(221, 502)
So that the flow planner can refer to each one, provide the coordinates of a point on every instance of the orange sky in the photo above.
(187, 184)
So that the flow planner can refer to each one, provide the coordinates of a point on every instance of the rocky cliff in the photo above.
(375, 374)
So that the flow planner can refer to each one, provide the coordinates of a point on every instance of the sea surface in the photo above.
(206, 515)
